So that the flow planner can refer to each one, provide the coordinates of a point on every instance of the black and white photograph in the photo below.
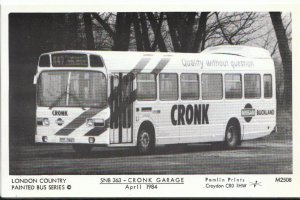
(110, 94)
(95, 93)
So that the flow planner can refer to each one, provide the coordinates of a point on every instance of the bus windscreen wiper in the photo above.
(70, 94)
(78, 101)
(58, 99)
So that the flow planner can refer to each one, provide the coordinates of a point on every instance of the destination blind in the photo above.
(69, 60)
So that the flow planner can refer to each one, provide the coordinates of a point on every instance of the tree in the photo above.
(234, 28)
(201, 32)
(156, 27)
(138, 32)
(184, 36)
(180, 32)
(145, 33)
(89, 31)
(285, 53)
(122, 29)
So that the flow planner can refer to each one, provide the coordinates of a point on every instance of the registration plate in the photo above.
(67, 140)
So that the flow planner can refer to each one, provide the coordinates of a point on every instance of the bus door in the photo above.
(121, 107)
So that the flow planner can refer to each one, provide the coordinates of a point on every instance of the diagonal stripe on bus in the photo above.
(78, 121)
(141, 64)
(158, 68)
(161, 64)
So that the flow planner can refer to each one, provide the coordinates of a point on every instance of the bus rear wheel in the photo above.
(145, 142)
(232, 136)
(82, 148)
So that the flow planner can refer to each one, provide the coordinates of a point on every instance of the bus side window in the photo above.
(189, 86)
(168, 86)
(252, 86)
(212, 86)
(146, 87)
(233, 86)
(268, 86)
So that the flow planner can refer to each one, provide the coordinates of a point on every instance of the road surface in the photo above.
(263, 156)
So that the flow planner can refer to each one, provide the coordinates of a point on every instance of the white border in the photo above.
(193, 186)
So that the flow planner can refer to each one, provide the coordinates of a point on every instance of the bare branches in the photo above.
(201, 33)
(234, 28)
(156, 26)
(105, 25)
(192, 32)
(222, 29)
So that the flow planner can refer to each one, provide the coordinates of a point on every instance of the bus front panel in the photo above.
(72, 107)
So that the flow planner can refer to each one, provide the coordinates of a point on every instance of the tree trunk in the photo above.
(123, 24)
(180, 25)
(203, 41)
(172, 28)
(187, 36)
(156, 29)
(89, 31)
(285, 53)
(137, 31)
(159, 24)
(200, 34)
(145, 34)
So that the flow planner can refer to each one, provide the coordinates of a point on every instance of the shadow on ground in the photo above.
(126, 152)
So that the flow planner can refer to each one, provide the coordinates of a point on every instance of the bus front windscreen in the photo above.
(71, 89)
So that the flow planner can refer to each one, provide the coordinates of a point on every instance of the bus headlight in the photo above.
(90, 122)
(46, 122)
(91, 140)
(45, 138)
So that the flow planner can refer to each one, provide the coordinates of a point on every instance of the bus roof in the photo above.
(244, 51)
(217, 58)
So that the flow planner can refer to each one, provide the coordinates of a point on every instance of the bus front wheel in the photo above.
(145, 142)
(232, 136)
(82, 148)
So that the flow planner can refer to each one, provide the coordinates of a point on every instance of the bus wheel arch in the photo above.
(233, 135)
(146, 138)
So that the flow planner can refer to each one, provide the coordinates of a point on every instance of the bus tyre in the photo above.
(231, 136)
(82, 149)
(145, 142)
